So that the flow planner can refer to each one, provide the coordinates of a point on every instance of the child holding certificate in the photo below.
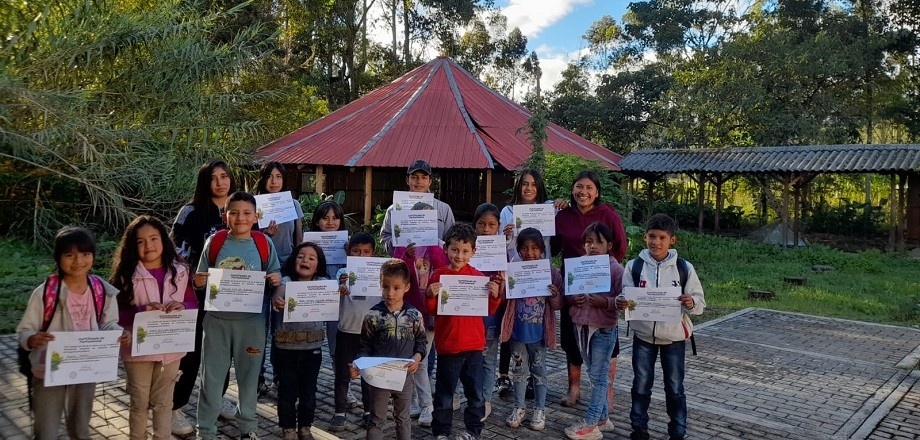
(659, 266)
(299, 346)
(150, 276)
(460, 340)
(486, 222)
(393, 329)
(327, 217)
(237, 337)
(594, 317)
(81, 302)
(530, 325)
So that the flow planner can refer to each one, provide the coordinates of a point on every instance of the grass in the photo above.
(866, 286)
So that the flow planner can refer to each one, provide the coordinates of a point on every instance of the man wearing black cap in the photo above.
(419, 180)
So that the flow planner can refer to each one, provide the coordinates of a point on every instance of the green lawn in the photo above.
(868, 286)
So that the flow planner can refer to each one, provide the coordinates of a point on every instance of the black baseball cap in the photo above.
(419, 165)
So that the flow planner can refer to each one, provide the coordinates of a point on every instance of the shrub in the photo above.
(562, 168)
(849, 218)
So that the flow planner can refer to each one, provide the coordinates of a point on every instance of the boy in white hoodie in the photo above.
(660, 268)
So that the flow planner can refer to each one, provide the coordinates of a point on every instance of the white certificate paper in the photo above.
(381, 372)
(332, 243)
(158, 332)
(541, 216)
(419, 227)
(653, 304)
(275, 206)
(406, 200)
(588, 274)
(463, 295)
(527, 279)
(311, 301)
(82, 357)
(235, 291)
(364, 275)
(491, 253)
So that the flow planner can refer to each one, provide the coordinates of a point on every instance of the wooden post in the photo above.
(320, 179)
(893, 212)
(718, 182)
(785, 214)
(368, 191)
(902, 212)
(489, 185)
(701, 194)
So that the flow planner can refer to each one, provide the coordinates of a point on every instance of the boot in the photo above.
(611, 375)
(574, 387)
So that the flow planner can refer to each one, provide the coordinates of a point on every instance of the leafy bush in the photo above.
(562, 168)
(686, 214)
(849, 218)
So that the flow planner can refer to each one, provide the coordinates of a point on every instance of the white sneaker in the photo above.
(425, 418)
(515, 418)
(180, 424)
(250, 436)
(228, 409)
(538, 420)
(605, 425)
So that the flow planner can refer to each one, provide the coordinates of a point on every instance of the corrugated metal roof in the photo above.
(438, 112)
(813, 158)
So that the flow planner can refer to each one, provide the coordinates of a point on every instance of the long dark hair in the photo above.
(593, 177)
(70, 237)
(265, 172)
(202, 196)
(537, 179)
(126, 258)
(290, 266)
(321, 210)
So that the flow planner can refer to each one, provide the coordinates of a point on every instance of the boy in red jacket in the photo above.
(460, 340)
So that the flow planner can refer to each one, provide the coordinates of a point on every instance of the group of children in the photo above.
(403, 322)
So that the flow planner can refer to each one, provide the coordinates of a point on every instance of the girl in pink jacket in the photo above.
(150, 277)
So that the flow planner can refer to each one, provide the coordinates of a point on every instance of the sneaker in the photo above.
(289, 434)
(488, 410)
(304, 433)
(504, 387)
(366, 420)
(528, 392)
(466, 436)
(538, 420)
(350, 400)
(180, 424)
(414, 410)
(583, 431)
(338, 423)
(605, 425)
(515, 418)
(250, 436)
(228, 409)
(639, 434)
(425, 418)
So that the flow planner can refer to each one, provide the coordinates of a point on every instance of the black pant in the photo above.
(347, 347)
(297, 373)
(467, 368)
(567, 338)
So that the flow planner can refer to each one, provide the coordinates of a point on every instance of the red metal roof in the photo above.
(438, 112)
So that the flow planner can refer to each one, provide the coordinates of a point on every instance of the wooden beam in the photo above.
(320, 180)
(489, 186)
(368, 191)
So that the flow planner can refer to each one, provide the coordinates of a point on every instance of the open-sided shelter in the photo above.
(472, 136)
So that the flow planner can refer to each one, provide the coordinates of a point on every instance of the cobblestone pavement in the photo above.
(759, 374)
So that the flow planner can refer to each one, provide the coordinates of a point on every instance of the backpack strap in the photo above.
(98, 289)
(637, 270)
(684, 273)
(53, 293)
(220, 237)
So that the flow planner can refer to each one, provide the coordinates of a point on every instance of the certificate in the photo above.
(463, 295)
(528, 278)
(653, 304)
(235, 291)
(275, 206)
(587, 274)
(311, 301)
(332, 243)
(419, 227)
(491, 253)
(158, 332)
(82, 357)
(406, 200)
(364, 275)
(541, 216)
(385, 373)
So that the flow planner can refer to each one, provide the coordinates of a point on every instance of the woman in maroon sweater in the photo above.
(585, 208)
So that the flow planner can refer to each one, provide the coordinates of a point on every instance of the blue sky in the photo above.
(554, 27)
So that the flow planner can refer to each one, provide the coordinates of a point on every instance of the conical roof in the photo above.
(438, 112)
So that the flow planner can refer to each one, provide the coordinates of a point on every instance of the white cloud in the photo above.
(532, 16)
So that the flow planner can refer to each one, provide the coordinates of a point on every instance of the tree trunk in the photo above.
(407, 54)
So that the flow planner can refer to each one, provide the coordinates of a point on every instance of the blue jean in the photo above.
(489, 364)
(467, 368)
(297, 373)
(527, 360)
(597, 361)
(672, 366)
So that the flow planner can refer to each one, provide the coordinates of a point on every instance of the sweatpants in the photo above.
(150, 385)
(240, 341)
(380, 398)
(51, 402)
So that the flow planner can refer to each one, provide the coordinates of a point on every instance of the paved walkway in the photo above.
(759, 375)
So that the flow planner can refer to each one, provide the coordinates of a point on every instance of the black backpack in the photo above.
(683, 273)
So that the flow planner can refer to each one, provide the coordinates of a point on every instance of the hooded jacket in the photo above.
(664, 273)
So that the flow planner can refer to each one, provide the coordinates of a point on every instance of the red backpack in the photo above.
(219, 237)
